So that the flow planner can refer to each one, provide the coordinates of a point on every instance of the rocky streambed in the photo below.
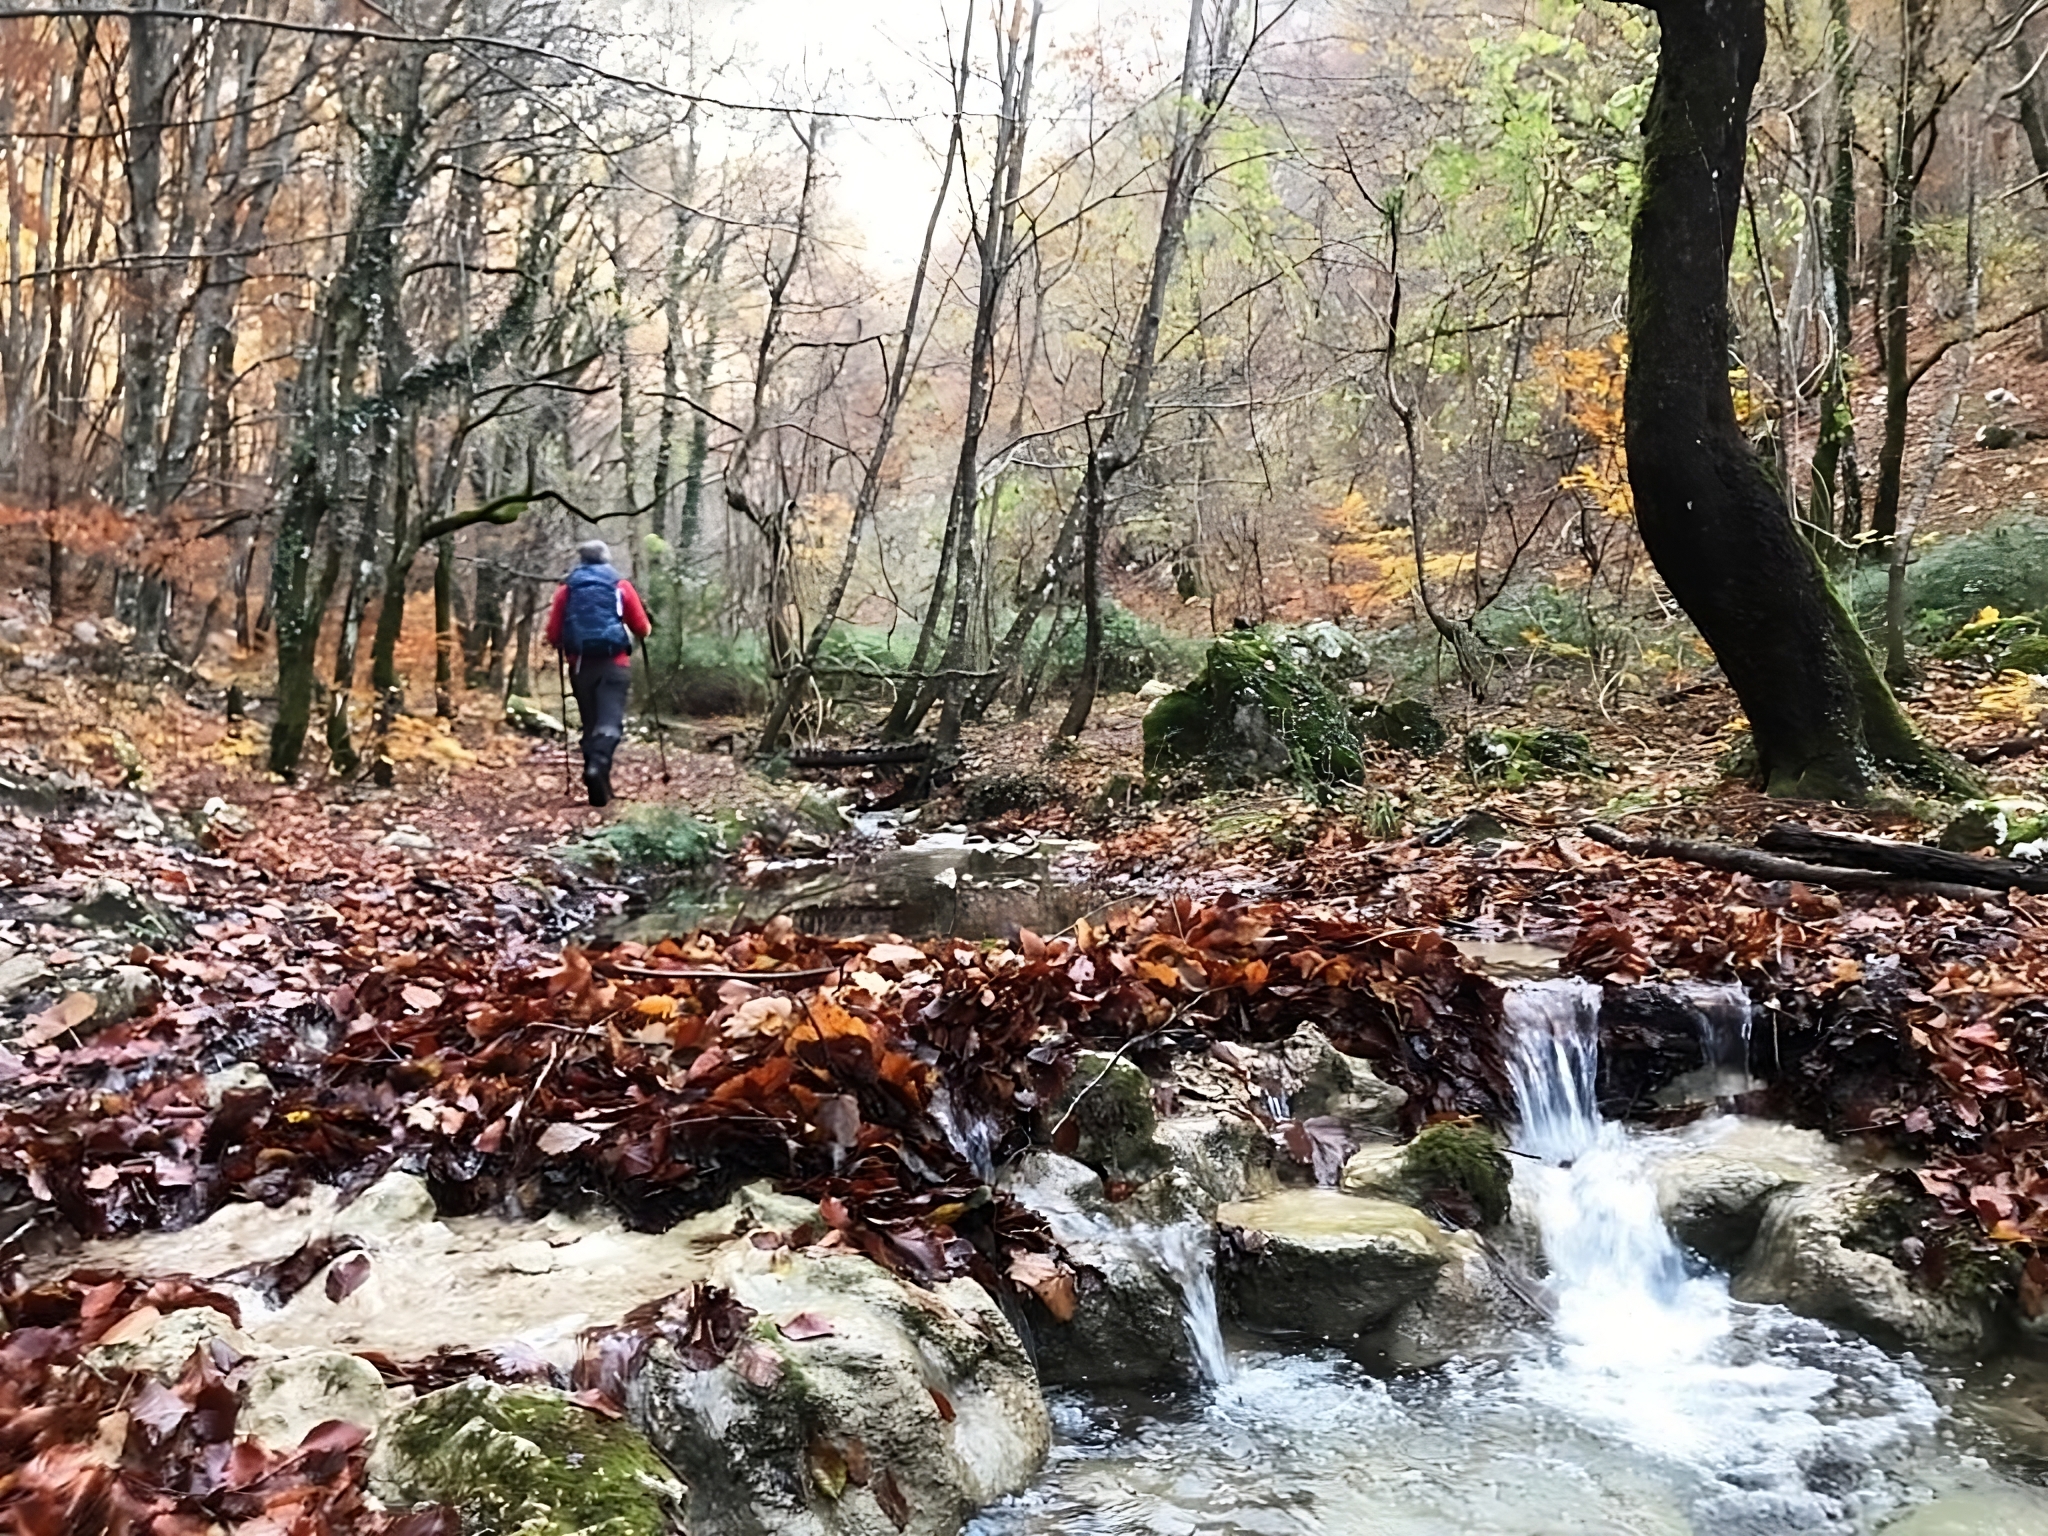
(1594, 1330)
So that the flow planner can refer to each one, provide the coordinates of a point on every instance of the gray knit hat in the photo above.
(594, 552)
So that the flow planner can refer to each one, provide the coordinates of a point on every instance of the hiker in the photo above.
(593, 621)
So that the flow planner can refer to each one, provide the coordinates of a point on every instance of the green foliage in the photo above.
(1515, 758)
(1133, 652)
(2002, 565)
(1254, 712)
(1462, 1158)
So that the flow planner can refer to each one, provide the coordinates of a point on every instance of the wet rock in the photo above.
(284, 1398)
(1314, 1078)
(1127, 1327)
(125, 992)
(1713, 1194)
(160, 1346)
(1105, 1116)
(920, 1401)
(116, 906)
(242, 1077)
(1471, 1310)
(394, 1207)
(525, 1463)
(22, 973)
(1803, 1259)
(1223, 1156)
(1326, 1265)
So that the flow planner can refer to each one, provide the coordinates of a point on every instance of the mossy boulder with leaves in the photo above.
(2000, 825)
(527, 1463)
(1254, 712)
(1408, 725)
(1513, 757)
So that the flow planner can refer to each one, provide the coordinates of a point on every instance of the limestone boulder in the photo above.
(1714, 1191)
(283, 1398)
(891, 1408)
(1471, 1310)
(160, 1344)
(525, 1462)
(1326, 1265)
(1991, 1511)
(1135, 1258)
(1804, 1259)
(1224, 1156)
(1309, 1076)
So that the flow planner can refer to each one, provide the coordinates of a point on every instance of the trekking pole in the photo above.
(568, 768)
(654, 709)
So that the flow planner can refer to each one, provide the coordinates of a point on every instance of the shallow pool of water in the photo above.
(1298, 1443)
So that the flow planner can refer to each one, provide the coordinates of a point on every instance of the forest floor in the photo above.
(215, 987)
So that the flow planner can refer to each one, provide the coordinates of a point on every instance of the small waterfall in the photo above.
(1726, 1018)
(1660, 1357)
(1186, 1253)
(1617, 1276)
(973, 1135)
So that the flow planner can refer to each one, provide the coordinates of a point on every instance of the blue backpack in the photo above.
(593, 622)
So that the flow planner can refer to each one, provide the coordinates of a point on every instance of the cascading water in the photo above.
(1655, 1406)
(1186, 1253)
(1660, 1356)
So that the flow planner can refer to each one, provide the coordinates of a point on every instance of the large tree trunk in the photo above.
(1717, 529)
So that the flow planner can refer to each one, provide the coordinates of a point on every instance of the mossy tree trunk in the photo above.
(1719, 533)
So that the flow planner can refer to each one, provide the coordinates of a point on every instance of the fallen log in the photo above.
(1765, 866)
(1916, 860)
(861, 757)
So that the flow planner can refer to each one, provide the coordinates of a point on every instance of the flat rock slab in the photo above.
(1327, 1265)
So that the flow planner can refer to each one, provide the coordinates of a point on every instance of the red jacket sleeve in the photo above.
(631, 611)
(554, 635)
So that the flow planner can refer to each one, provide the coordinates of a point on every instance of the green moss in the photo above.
(653, 837)
(2029, 653)
(1254, 712)
(1105, 1117)
(1462, 1158)
(526, 1463)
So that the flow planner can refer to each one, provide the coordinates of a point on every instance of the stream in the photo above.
(1653, 1405)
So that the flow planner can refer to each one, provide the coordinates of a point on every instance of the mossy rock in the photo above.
(1514, 757)
(2001, 825)
(655, 838)
(1254, 712)
(998, 794)
(1989, 637)
(2028, 654)
(1105, 1117)
(523, 1462)
(1455, 1158)
(1408, 725)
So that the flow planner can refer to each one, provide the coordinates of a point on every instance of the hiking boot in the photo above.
(598, 784)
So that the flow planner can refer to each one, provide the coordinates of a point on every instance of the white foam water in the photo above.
(1186, 1253)
(1655, 1406)
(1784, 1419)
